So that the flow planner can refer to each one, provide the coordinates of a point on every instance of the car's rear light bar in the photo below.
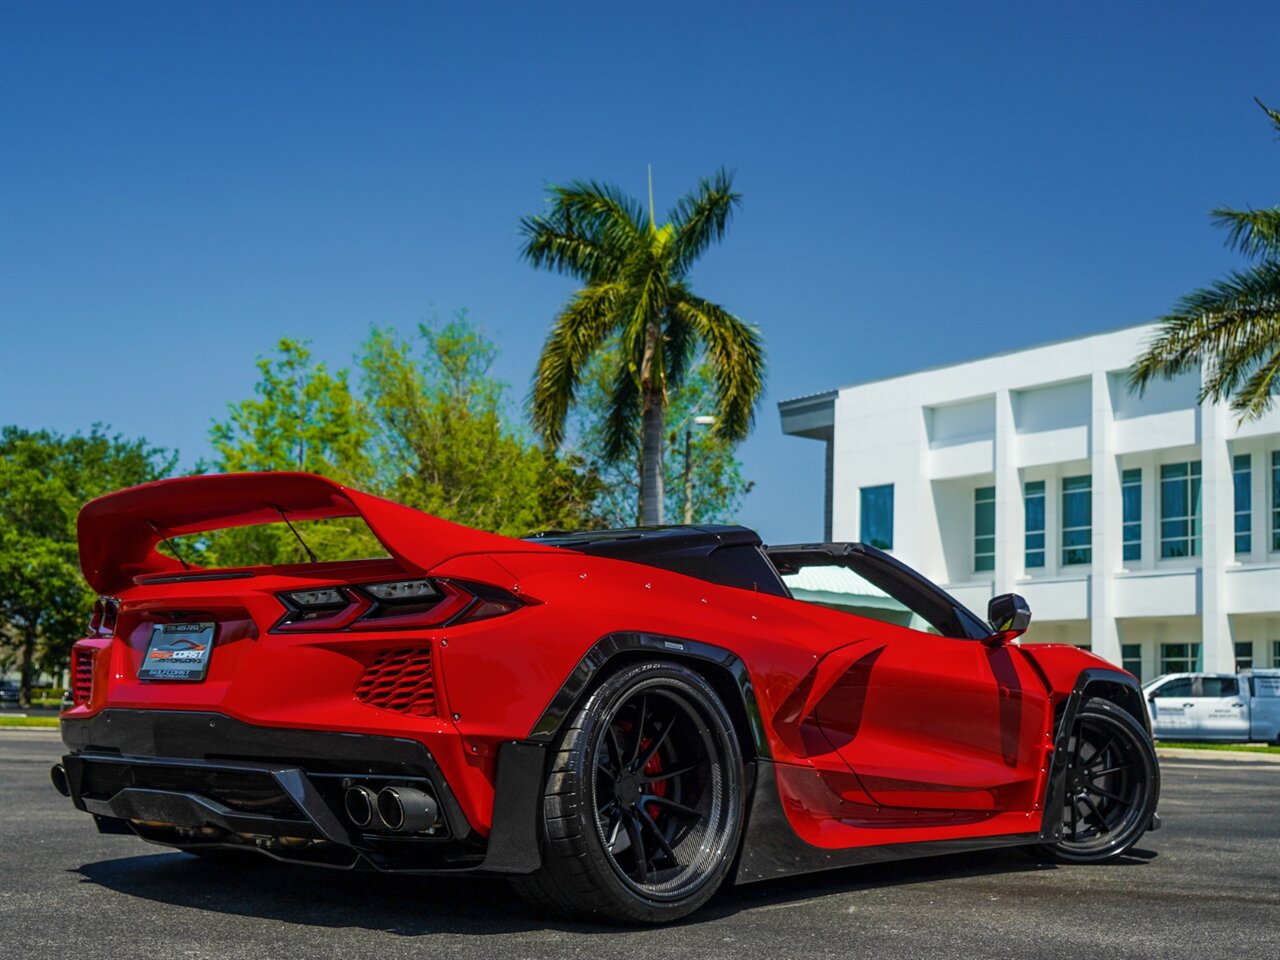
(388, 605)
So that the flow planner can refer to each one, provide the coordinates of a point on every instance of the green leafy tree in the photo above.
(716, 485)
(1232, 328)
(45, 478)
(443, 441)
(636, 289)
(301, 417)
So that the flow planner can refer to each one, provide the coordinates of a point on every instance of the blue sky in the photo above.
(181, 185)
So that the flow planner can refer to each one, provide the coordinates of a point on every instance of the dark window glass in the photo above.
(1275, 506)
(1219, 687)
(1131, 658)
(1131, 495)
(1174, 688)
(1244, 656)
(1033, 511)
(1077, 520)
(984, 528)
(1180, 509)
(877, 516)
(1242, 482)
(1179, 657)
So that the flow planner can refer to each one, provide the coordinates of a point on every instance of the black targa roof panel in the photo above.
(723, 554)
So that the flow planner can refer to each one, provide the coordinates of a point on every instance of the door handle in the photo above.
(1188, 705)
(1238, 706)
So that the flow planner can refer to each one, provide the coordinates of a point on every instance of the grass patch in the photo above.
(1239, 747)
(28, 721)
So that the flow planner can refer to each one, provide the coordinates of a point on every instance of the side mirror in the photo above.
(1009, 616)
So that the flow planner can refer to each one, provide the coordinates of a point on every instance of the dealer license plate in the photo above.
(177, 651)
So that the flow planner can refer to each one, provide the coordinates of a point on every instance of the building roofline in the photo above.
(960, 363)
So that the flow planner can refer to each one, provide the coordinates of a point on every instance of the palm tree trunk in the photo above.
(651, 444)
(653, 419)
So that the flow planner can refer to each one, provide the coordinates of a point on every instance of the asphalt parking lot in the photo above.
(1206, 886)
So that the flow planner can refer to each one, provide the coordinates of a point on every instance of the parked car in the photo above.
(620, 721)
(1240, 707)
(9, 690)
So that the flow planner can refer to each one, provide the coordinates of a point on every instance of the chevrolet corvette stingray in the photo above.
(618, 721)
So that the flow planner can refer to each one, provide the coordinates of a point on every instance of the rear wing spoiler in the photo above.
(118, 533)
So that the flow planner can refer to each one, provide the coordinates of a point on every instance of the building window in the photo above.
(984, 528)
(1275, 653)
(1131, 498)
(1180, 510)
(1077, 520)
(1275, 500)
(877, 516)
(1242, 479)
(1033, 500)
(1131, 658)
(1179, 657)
(1244, 656)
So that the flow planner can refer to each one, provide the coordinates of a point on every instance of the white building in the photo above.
(1145, 528)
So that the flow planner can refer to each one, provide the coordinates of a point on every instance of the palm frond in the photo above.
(584, 324)
(1255, 233)
(550, 246)
(1228, 326)
(621, 433)
(1273, 114)
(700, 219)
(736, 355)
(1254, 397)
(587, 233)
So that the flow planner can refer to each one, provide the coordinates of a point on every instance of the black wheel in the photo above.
(643, 805)
(1113, 784)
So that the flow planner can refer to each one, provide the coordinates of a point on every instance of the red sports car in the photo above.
(618, 721)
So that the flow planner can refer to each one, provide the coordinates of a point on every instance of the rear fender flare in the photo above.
(722, 668)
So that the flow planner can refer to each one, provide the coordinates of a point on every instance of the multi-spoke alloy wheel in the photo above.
(644, 806)
(1112, 785)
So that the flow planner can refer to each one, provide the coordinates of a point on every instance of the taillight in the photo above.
(393, 604)
(102, 622)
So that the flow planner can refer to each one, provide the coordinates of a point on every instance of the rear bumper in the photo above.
(199, 780)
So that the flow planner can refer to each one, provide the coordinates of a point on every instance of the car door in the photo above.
(925, 714)
(1170, 702)
(1220, 711)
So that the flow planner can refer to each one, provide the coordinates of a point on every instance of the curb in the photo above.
(38, 730)
(1235, 756)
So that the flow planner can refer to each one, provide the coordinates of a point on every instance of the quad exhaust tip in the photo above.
(398, 809)
(406, 810)
(58, 774)
(362, 806)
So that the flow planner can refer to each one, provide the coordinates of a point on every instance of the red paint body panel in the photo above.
(880, 734)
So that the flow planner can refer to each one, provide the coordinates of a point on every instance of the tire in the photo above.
(1112, 785)
(643, 807)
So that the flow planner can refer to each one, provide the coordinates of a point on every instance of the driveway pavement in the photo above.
(1205, 886)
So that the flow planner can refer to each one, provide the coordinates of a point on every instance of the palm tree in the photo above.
(636, 289)
(1233, 326)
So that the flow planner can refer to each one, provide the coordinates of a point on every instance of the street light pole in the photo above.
(688, 463)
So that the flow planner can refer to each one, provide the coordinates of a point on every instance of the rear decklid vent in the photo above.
(402, 680)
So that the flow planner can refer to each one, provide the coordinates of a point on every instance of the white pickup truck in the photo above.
(1243, 707)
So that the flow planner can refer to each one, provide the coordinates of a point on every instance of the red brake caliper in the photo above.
(654, 765)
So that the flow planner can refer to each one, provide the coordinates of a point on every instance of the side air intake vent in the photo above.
(400, 680)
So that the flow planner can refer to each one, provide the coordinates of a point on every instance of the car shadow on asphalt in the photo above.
(418, 906)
